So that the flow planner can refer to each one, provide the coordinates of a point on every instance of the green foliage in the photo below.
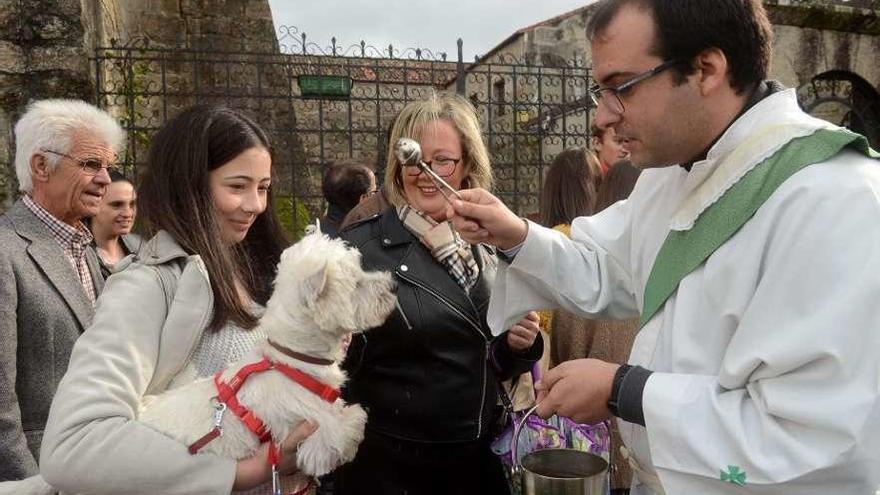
(293, 214)
(135, 82)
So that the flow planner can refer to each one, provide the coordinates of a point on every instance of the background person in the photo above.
(345, 185)
(570, 188)
(112, 225)
(617, 184)
(429, 376)
(185, 307)
(607, 146)
(49, 274)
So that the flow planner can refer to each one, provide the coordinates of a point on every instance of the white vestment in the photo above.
(766, 358)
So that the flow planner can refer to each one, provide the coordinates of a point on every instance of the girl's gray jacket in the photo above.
(147, 323)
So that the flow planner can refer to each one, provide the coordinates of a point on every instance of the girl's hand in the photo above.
(255, 470)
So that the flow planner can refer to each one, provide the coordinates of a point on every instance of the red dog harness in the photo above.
(226, 397)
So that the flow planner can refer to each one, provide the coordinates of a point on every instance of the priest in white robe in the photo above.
(750, 249)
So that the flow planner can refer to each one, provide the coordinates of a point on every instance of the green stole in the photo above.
(683, 251)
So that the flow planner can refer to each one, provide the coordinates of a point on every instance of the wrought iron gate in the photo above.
(325, 104)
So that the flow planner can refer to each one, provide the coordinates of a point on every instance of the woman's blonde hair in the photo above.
(411, 123)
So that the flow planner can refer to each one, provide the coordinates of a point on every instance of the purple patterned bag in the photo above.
(553, 433)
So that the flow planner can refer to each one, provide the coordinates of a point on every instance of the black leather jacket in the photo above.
(430, 372)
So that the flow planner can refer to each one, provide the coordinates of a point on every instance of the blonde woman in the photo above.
(429, 376)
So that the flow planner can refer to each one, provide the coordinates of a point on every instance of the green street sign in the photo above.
(325, 87)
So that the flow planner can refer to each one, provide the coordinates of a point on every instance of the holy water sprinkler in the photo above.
(409, 153)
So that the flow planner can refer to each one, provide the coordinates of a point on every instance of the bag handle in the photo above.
(514, 444)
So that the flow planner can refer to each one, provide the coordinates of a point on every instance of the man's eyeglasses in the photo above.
(611, 95)
(440, 165)
(90, 166)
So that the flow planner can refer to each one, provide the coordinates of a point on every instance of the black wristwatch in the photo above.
(614, 400)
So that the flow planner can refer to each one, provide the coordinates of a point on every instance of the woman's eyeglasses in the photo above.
(440, 165)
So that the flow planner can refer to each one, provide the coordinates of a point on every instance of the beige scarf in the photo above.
(445, 245)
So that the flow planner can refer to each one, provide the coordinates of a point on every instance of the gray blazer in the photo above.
(43, 309)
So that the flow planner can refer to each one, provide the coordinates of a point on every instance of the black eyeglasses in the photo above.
(441, 165)
(90, 166)
(615, 104)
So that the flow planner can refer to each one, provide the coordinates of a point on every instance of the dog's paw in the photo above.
(335, 442)
(315, 458)
(353, 421)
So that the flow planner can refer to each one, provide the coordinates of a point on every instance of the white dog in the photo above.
(321, 295)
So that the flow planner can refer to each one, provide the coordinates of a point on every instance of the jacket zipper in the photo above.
(402, 314)
(483, 394)
(443, 300)
(479, 331)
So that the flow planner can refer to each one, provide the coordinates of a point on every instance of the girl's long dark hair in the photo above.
(569, 187)
(174, 196)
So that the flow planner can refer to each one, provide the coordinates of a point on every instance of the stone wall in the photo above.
(829, 50)
(217, 24)
(46, 46)
(41, 56)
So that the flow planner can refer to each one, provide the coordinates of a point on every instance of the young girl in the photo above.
(185, 307)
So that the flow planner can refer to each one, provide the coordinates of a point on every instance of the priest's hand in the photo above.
(577, 389)
(480, 217)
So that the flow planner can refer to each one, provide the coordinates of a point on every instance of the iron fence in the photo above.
(322, 104)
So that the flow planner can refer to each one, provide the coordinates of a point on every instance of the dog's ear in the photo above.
(314, 284)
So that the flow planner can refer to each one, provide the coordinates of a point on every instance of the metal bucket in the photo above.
(558, 471)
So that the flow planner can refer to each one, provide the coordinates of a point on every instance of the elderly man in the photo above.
(49, 273)
(750, 250)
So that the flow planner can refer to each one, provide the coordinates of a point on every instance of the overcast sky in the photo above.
(431, 24)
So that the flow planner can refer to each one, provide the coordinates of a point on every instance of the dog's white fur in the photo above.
(321, 295)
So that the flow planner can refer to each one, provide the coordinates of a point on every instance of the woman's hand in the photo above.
(521, 336)
(255, 470)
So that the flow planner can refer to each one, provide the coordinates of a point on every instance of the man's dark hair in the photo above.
(117, 176)
(175, 196)
(685, 28)
(345, 182)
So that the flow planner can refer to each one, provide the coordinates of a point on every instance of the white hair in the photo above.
(51, 125)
